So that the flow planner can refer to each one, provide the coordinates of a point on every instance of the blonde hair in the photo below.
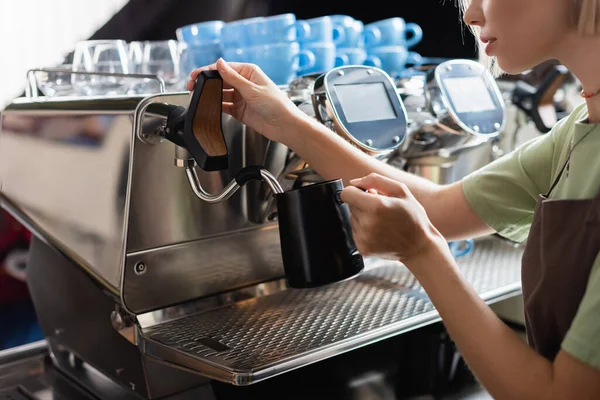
(585, 17)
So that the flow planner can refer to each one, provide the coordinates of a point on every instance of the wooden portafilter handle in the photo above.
(203, 128)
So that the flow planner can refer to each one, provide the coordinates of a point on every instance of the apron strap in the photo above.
(593, 214)
(566, 165)
(560, 174)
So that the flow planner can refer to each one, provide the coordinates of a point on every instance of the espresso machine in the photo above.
(457, 114)
(158, 266)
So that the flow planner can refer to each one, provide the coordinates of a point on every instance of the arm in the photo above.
(333, 157)
(505, 365)
(392, 224)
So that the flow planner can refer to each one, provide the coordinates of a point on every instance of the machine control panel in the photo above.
(468, 93)
(364, 106)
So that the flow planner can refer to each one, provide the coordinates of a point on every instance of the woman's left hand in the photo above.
(388, 222)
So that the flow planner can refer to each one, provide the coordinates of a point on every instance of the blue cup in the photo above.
(461, 248)
(350, 56)
(324, 53)
(283, 28)
(237, 34)
(391, 59)
(203, 54)
(281, 62)
(352, 28)
(322, 30)
(392, 32)
(200, 33)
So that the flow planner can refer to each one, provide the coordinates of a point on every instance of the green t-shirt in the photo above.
(504, 194)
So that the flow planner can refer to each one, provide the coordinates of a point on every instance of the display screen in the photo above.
(365, 102)
(469, 94)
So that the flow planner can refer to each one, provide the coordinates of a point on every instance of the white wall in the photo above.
(39, 33)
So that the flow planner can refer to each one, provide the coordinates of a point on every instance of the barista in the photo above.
(547, 192)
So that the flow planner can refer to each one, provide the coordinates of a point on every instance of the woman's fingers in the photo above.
(381, 184)
(194, 74)
(355, 198)
(228, 71)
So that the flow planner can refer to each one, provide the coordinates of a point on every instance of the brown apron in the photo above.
(562, 246)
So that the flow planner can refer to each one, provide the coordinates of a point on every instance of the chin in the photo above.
(513, 67)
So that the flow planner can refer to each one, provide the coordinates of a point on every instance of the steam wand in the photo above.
(172, 131)
(241, 178)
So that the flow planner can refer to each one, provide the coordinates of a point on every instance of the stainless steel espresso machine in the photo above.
(457, 115)
(144, 288)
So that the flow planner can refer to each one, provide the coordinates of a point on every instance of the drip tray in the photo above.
(255, 339)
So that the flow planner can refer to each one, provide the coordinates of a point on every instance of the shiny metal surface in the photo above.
(41, 375)
(271, 181)
(429, 136)
(435, 130)
(226, 193)
(74, 313)
(197, 269)
(63, 168)
(97, 186)
(261, 337)
(24, 351)
(163, 208)
(230, 189)
(450, 167)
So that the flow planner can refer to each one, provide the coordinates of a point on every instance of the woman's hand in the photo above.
(253, 99)
(388, 222)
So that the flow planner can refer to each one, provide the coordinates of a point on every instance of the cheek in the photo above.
(531, 36)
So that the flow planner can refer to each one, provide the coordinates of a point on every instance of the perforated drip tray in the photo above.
(255, 339)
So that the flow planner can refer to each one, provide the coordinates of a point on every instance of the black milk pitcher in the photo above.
(316, 236)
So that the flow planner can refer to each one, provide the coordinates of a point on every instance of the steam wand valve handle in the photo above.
(173, 128)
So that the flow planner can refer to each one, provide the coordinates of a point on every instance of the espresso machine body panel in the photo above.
(64, 172)
(180, 248)
(100, 184)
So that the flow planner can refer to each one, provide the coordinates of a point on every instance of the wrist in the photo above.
(299, 131)
(433, 255)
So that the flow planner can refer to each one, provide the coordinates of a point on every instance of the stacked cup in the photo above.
(322, 44)
(272, 43)
(203, 42)
(387, 42)
(348, 37)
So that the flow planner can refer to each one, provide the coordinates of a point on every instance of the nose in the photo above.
(474, 14)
